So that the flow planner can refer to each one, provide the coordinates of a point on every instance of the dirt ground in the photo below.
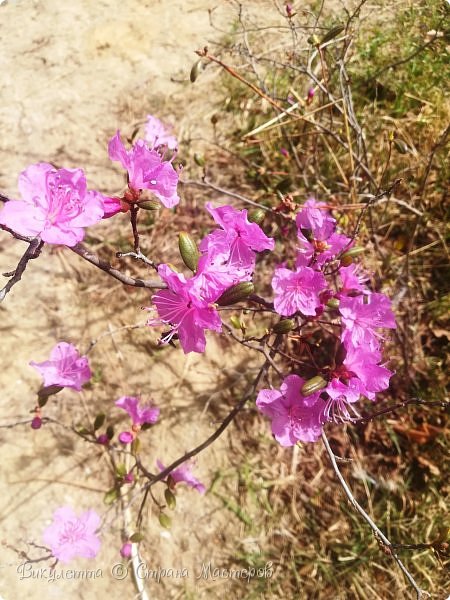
(71, 74)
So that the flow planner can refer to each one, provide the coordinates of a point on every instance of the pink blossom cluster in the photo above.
(305, 293)
(56, 204)
(228, 256)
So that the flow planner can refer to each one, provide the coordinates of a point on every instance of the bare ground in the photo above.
(71, 74)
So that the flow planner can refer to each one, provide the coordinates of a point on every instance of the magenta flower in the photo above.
(235, 244)
(139, 413)
(315, 220)
(297, 291)
(364, 364)
(187, 306)
(156, 134)
(56, 205)
(362, 315)
(70, 536)
(65, 368)
(352, 280)
(339, 406)
(146, 170)
(183, 474)
(294, 417)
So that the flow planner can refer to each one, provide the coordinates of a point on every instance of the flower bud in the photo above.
(313, 385)
(349, 255)
(36, 423)
(188, 250)
(199, 159)
(333, 303)
(236, 293)
(170, 499)
(284, 326)
(125, 551)
(332, 33)
(197, 68)
(165, 521)
(103, 439)
(150, 205)
(257, 216)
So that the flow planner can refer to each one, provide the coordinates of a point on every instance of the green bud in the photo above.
(199, 159)
(197, 68)
(313, 40)
(170, 499)
(136, 538)
(235, 322)
(347, 257)
(150, 205)
(236, 293)
(188, 250)
(121, 470)
(401, 146)
(314, 385)
(111, 496)
(332, 33)
(99, 420)
(333, 303)
(257, 216)
(135, 446)
(165, 521)
(284, 326)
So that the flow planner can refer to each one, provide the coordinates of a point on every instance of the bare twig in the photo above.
(379, 535)
(105, 266)
(33, 251)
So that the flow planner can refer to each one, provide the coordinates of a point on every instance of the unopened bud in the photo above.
(347, 257)
(125, 551)
(332, 33)
(401, 146)
(333, 303)
(165, 521)
(313, 40)
(170, 499)
(257, 216)
(199, 159)
(150, 205)
(197, 68)
(313, 385)
(36, 423)
(188, 250)
(284, 326)
(236, 293)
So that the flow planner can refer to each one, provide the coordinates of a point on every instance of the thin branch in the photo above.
(33, 251)
(379, 535)
(105, 266)
(206, 184)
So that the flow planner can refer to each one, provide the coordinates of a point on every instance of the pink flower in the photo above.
(342, 396)
(352, 280)
(70, 536)
(362, 315)
(233, 246)
(156, 134)
(126, 437)
(183, 474)
(363, 363)
(139, 413)
(56, 205)
(315, 220)
(187, 307)
(65, 368)
(297, 291)
(112, 206)
(294, 417)
(146, 170)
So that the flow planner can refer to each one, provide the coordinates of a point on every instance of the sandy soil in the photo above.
(71, 74)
